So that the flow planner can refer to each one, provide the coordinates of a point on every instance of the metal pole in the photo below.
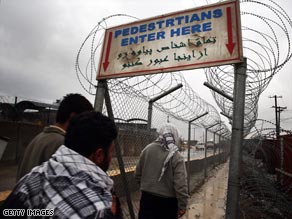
(277, 114)
(15, 101)
(99, 97)
(195, 134)
(219, 145)
(151, 101)
(205, 159)
(150, 108)
(280, 109)
(194, 140)
(214, 150)
(277, 121)
(232, 206)
(282, 159)
(189, 147)
(221, 92)
(219, 139)
(119, 154)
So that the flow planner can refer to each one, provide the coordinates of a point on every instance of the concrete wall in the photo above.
(196, 167)
(20, 135)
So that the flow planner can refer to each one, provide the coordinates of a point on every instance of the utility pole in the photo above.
(280, 109)
(277, 114)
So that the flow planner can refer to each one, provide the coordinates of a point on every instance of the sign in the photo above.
(195, 38)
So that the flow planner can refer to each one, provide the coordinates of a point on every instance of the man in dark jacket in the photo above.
(51, 138)
(73, 183)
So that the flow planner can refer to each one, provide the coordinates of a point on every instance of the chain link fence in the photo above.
(265, 187)
(266, 184)
(131, 116)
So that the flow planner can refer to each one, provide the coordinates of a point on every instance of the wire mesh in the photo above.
(266, 45)
(266, 185)
(266, 29)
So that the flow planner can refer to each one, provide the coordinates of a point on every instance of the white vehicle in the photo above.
(200, 146)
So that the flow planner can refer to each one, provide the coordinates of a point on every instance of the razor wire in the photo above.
(182, 105)
(266, 186)
(130, 100)
(267, 47)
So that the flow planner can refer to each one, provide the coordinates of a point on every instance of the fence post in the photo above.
(119, 156)
(232, 206)
(189, 150)
(205, 159)
(282, 159)
(99, 97)
(206, 139)
(150, 109)
(214, 150)
(219, 145)
(189, 147)
(102, 94)
(152, 100)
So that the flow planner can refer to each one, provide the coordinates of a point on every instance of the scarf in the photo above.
(68, 183)
(168, 138)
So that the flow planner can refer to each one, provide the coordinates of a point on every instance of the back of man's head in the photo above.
(89, 131)
(72, 103)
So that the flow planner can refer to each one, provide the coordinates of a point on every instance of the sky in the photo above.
(39, 41)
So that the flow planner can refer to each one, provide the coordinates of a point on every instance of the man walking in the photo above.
(161, 174)
(73, 183)
(51, 138)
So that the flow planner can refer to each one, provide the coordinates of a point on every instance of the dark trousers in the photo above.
(156, 207)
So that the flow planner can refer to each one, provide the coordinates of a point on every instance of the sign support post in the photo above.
(99, 97)
(195, 38)
(102, 94)
(233, 188)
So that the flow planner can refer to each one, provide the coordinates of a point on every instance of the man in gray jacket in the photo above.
(162, 177)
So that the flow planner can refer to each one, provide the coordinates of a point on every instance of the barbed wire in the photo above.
(261, 48)
(264, 189)
(267, 47)
(266, 30)
(183, 105)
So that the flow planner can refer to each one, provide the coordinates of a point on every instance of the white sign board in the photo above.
(195, 38)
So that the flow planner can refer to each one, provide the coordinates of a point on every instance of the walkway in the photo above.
(209, 201)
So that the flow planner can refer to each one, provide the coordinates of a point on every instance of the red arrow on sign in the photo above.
(230, 45)
(108, 47)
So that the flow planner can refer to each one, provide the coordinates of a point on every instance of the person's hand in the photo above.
(114, 205)
(181, 212)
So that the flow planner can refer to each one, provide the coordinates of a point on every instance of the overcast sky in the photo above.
(39, 41)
